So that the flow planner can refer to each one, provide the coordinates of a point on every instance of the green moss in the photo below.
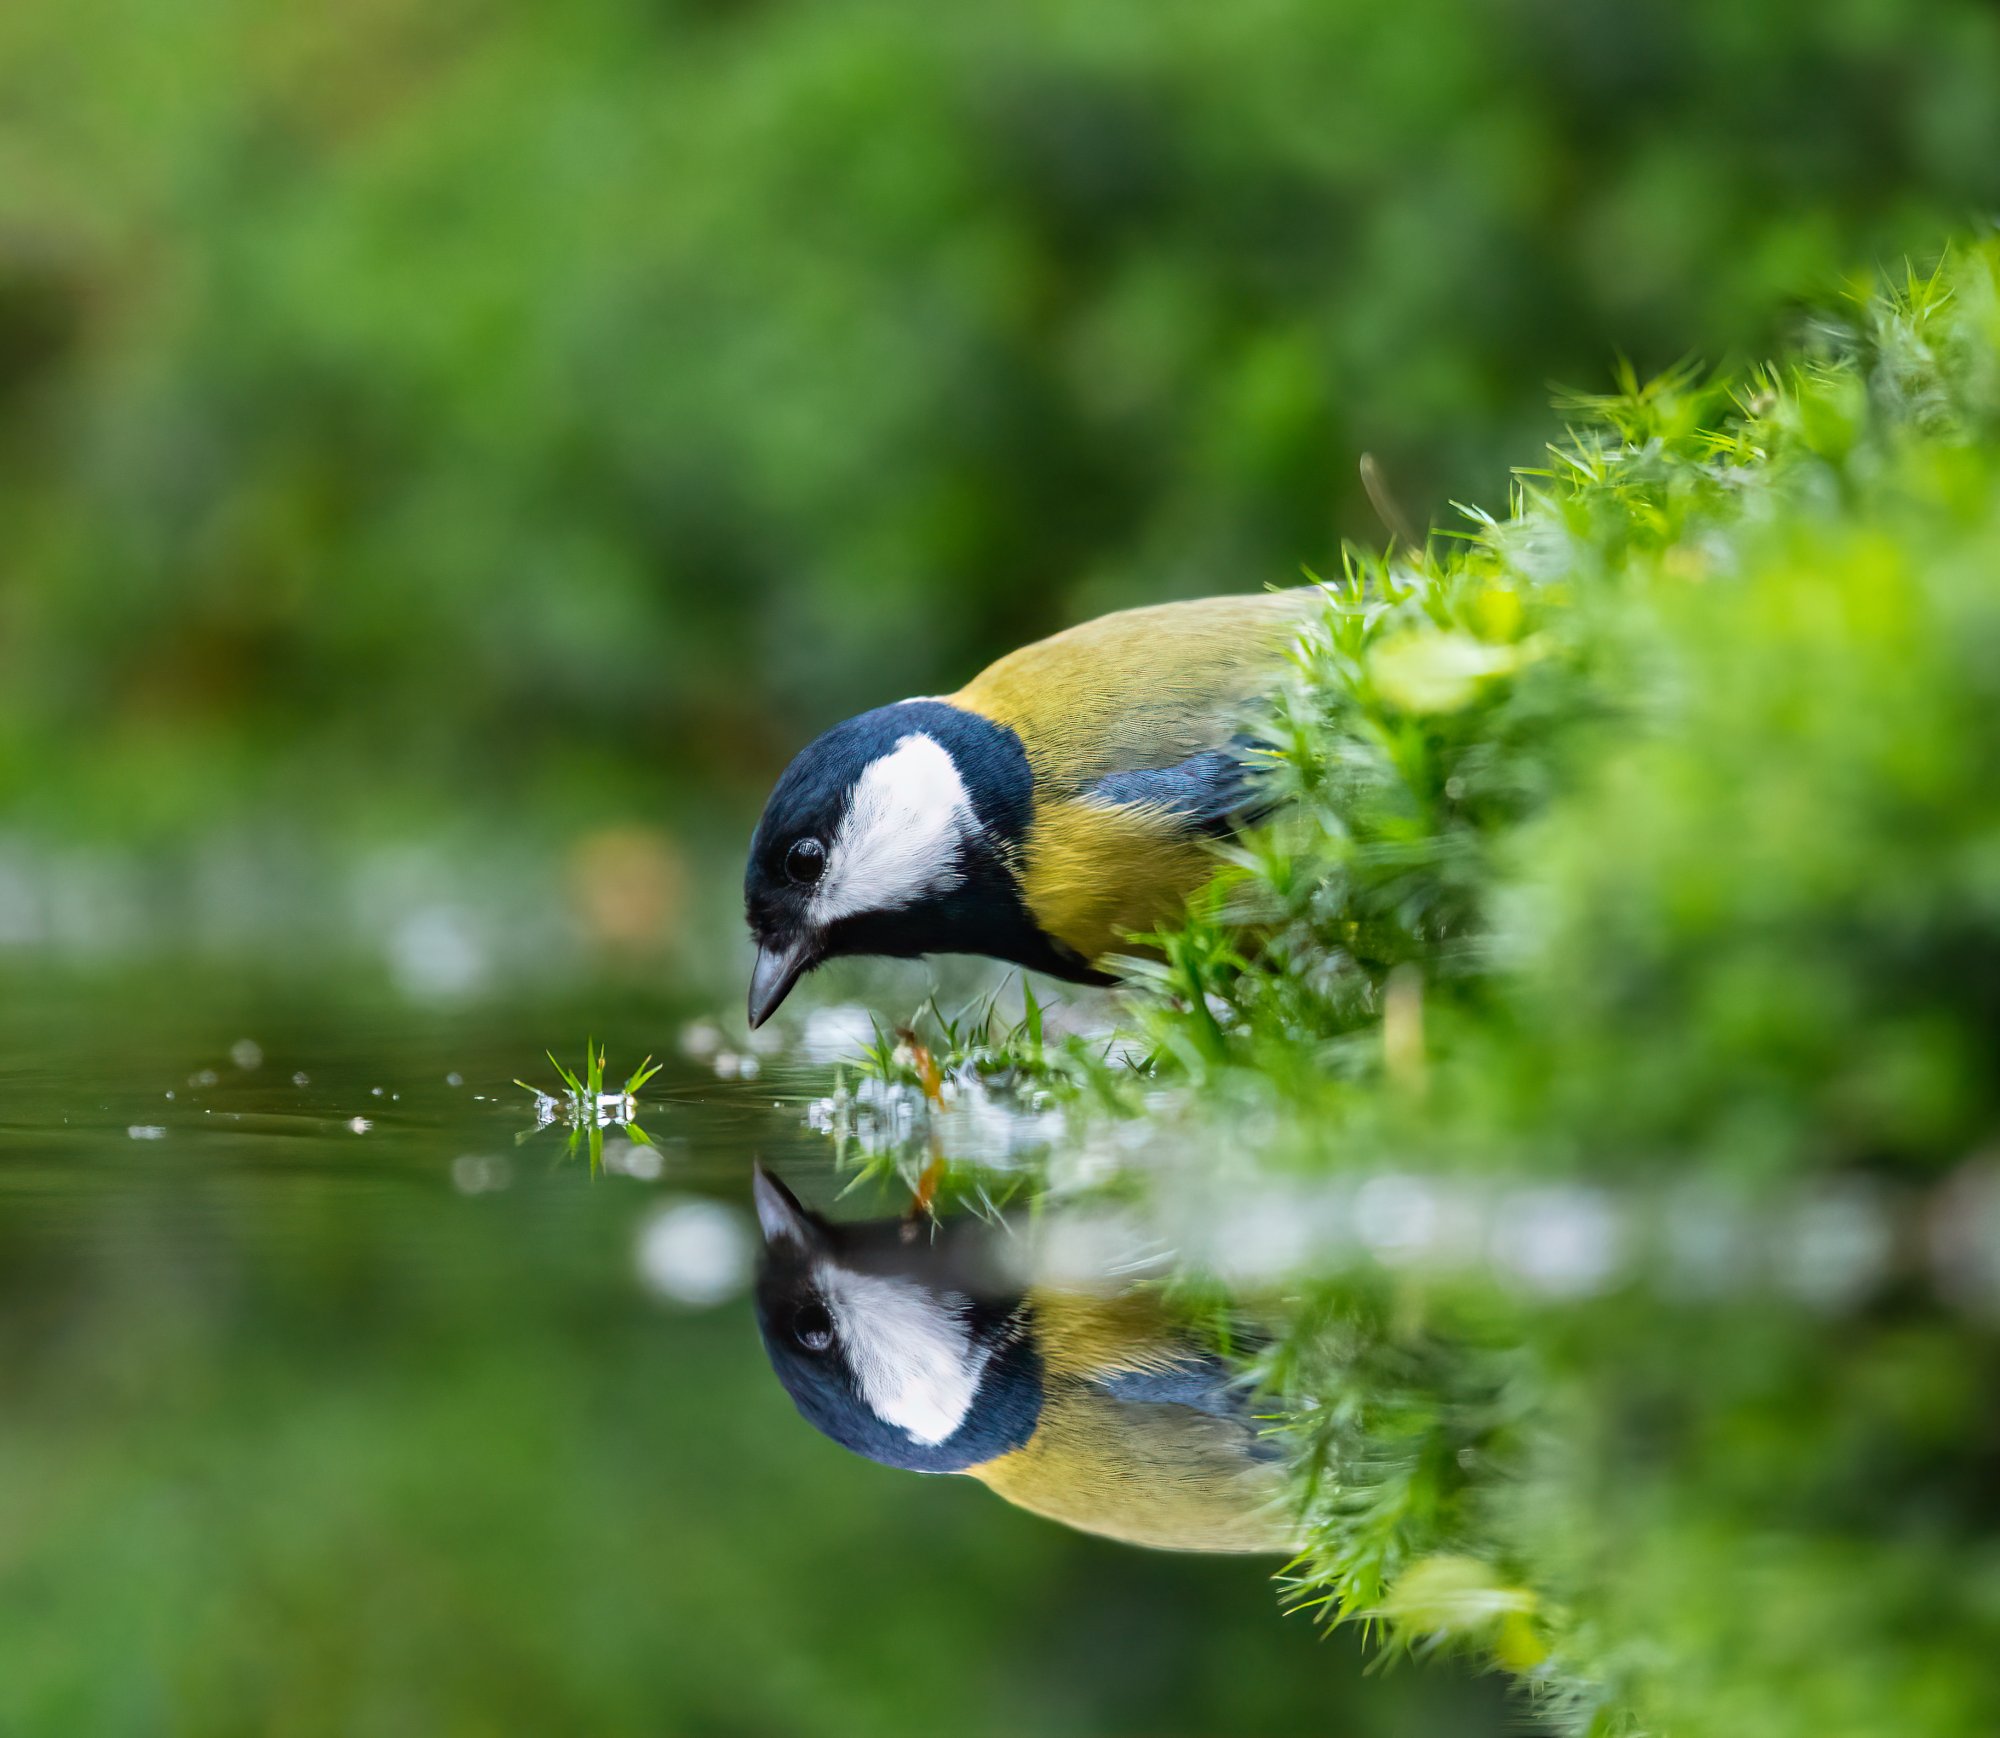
(1637, 916)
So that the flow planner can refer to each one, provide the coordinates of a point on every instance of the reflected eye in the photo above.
(812, 1327)
(805, 862)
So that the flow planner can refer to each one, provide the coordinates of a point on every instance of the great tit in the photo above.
(1055, 804)
(906, 1342)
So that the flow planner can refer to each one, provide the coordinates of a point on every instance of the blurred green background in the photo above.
(450, 455)
(427, 416)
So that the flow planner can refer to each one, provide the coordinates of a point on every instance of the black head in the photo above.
(891, 834)
(912, 1352)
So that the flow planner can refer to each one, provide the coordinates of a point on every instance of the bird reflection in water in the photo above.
(910, 1341)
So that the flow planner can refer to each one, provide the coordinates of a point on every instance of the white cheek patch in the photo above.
(912, 1355)
(899, 840)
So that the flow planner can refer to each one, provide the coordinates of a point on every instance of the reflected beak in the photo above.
(779, 1215)
(778, 969)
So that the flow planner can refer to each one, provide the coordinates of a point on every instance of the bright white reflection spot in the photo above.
(20, 905)
(302, 1078)
(434, 955)
(694, 1252)
(1082, 1248)
(146, 1131)
(1396, 1217)
(359, 1124)
(480, 1174)
(633, 1159)
(1709, 1242)
(700, 1039)
(1838, 1248)
(1565, 1242)
(247, 1054)
(93, 903)
(837, 1034)
(1261, 1235)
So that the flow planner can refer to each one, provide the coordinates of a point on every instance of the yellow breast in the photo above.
(1094, 873)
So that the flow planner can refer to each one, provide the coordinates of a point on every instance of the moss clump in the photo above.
(1636, 927)
(1644, 874)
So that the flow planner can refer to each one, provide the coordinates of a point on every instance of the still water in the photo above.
(342, 1395)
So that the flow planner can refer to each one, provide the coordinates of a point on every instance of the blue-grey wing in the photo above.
(1203, 1384)
(1215, 791)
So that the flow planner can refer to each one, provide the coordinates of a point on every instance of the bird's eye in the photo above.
(805, 862)
(812, 1327)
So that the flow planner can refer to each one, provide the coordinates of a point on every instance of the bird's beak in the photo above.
(779, 1215)
(778, 969)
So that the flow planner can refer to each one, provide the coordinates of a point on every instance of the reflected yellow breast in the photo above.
(1164, 1476)
(1160, 1475)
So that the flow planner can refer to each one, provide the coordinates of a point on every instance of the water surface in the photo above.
(340, 1398)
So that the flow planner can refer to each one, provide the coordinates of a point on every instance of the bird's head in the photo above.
(918, 1344)
(890, 834)
(912, 1352)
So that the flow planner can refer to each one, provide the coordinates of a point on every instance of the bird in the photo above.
(909, 1344)
(1055, 805)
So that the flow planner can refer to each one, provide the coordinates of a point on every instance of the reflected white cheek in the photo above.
(912, 1355)
(902, 836)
